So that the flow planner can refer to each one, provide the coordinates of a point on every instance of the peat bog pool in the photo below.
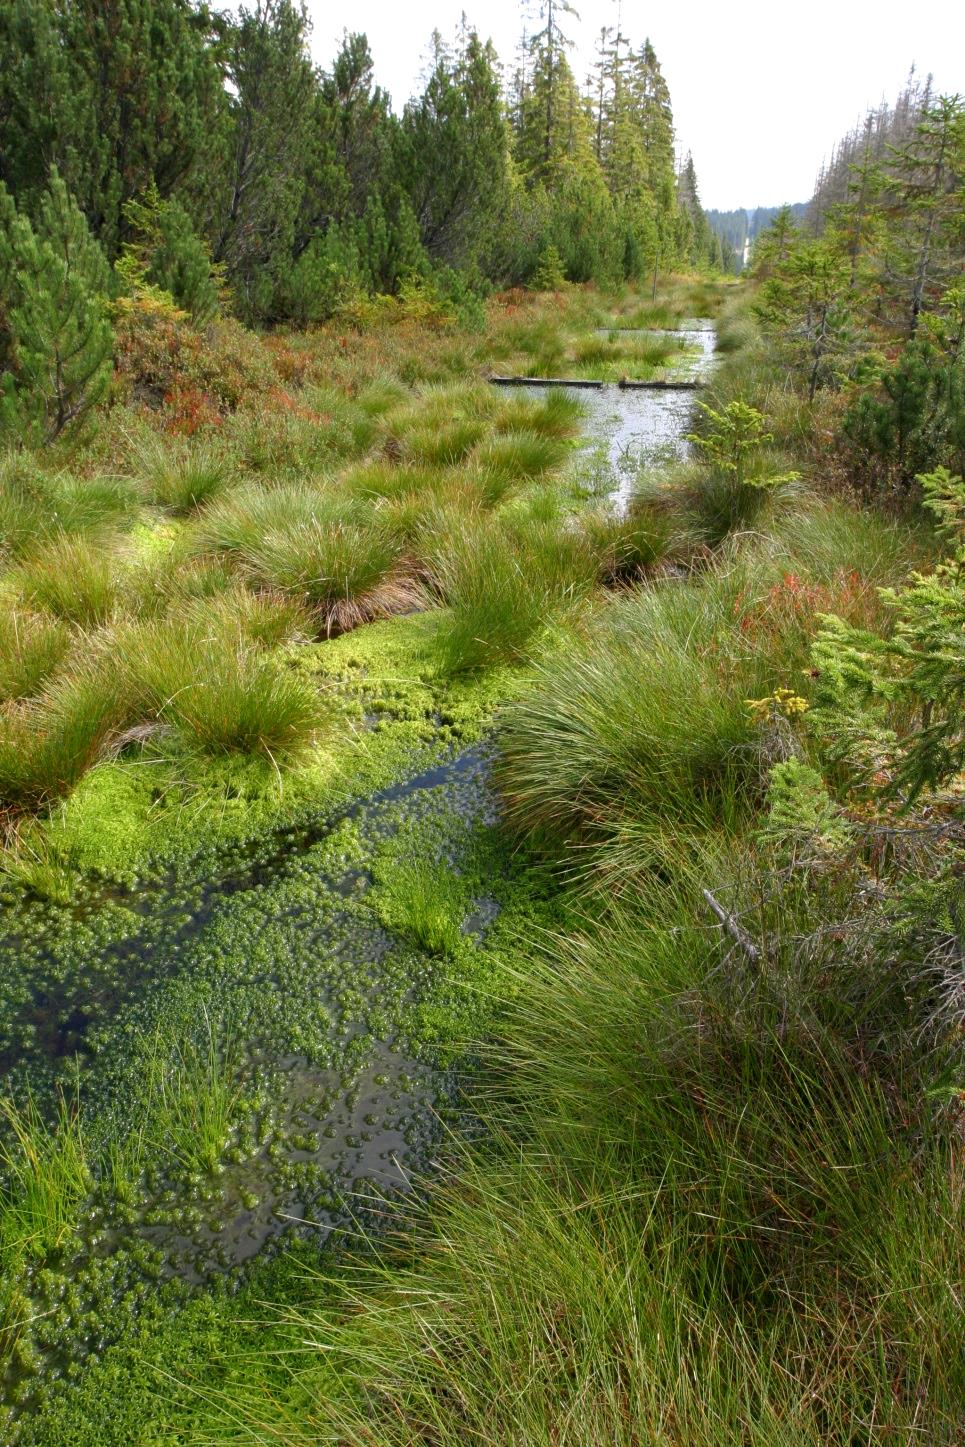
(249, 1046)
(629, 430)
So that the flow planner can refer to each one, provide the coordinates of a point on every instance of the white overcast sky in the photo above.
(760, 90)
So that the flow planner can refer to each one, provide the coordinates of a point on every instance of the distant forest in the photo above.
(869, 145)
(736, 228)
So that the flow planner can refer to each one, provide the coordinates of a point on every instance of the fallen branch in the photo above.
(730, 924)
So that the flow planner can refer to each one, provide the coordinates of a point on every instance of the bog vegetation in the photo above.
(536, 907)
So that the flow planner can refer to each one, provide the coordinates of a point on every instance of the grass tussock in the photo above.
(238, 522)
(32, 648)
(181, 479)
(75, 579)
(524, 455)
(503, 586)
(194, 1091)
(830, 539)
(47, 1177)
(649, 717)
(268, 620)
(708, 1204)
(48, 743)
(221, 694)
(633, 544)
(712, 505)
(37, 505)
(557, 415)
(444, 444)
(345, 572)
(422, 901)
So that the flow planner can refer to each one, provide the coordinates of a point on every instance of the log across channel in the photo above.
(625, 384)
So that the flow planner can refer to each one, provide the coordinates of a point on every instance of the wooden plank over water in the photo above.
(543, 382)
(629, 385)
(626, 383)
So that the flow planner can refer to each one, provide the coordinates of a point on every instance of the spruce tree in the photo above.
(651, 100)
(165, 252)
(57, 341)
(775, 243)
(555, 127)
(807, 304)
(928, 188)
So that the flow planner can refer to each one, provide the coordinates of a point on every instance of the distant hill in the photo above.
(737, 229)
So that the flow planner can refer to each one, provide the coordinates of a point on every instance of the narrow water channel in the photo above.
(323, 1043)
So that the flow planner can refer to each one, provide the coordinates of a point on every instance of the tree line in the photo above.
(301, 185)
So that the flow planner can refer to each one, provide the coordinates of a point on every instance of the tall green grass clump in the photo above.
(237, 522)
(442, 444)
(181, 478)
(649, 716)
(193, 1088)
(32, 648)
(555, 415)
(268, 620)
(503, 586)
(220, 693)
(830, 539)
(73, 578)
(342, 569)
(634, 543)
(523, 455)
(46, 1178)
(422, 900)
(280, 446)
(405, 496)
(710, 1209)
(36, 505)
(47, 743)
(737, 479)
(736, 334)
(387, 481)
(713, 505)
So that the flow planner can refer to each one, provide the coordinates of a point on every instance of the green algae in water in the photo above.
(335, 1097)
